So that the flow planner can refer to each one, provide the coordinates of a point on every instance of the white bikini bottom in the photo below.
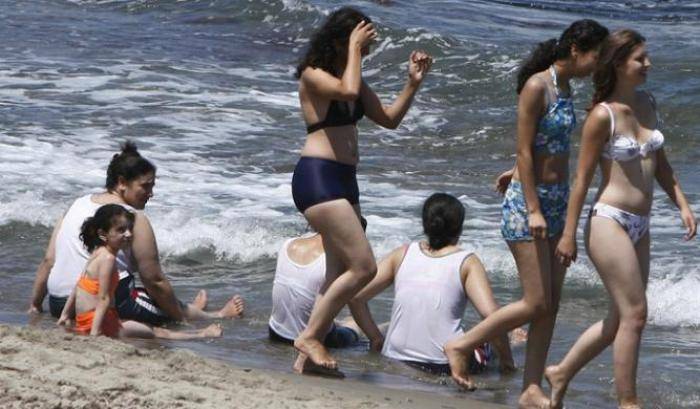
(635, 225)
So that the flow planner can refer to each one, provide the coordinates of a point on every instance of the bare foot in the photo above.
(233, 308)
(459, 367)
(629, 403)
(518, 336)
(316, 352)
(212, 331)
(200, 300)
(558, 383)
(533, 398)
(304, 366)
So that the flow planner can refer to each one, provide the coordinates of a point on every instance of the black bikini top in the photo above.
(338, 115)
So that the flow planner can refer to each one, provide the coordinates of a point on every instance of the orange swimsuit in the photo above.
(110, 323)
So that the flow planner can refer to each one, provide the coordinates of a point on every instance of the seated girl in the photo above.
(433, 280)
(92, 299)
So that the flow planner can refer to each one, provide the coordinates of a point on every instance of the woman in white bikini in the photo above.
(622, 136)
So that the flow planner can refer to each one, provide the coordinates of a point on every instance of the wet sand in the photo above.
(52, 368)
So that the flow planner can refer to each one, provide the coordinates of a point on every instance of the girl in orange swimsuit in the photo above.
(92, 299)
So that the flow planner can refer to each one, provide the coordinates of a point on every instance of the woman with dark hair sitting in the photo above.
(333, 98)
(433, 280)
(130, 182)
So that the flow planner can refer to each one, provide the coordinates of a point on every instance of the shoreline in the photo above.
(44, 368)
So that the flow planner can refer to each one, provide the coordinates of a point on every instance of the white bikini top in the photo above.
(625, 147)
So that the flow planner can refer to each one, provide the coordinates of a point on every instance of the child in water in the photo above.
(92, 299)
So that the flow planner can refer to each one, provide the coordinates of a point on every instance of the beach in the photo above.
(207, 92)
(44, 368)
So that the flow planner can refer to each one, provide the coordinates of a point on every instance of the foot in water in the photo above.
(304, 366)
(533, 398)
(200, 300)
(233, 309)
(558, 383)
(212, 331)
(459, 367)
(316, 352)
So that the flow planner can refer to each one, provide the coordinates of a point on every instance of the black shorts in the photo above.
(339, 337)
(56, 305)
(134, 303)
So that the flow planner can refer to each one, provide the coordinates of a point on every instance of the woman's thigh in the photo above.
(614, 256)
(344, 239)
(532, 260)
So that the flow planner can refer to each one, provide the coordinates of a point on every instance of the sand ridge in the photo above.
(55, 369)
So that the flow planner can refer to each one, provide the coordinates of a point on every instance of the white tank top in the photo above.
(429, 304)
(71, 254)
(294, 292)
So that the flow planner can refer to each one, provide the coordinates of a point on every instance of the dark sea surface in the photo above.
(206, 89)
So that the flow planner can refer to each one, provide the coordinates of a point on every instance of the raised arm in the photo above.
(105, 266)
(390, 116)
(595, 133)
(145, 253)
(530, 107)
(39, 289)
(346, 88)
(670, 184)
(478, 289)
(386, 271)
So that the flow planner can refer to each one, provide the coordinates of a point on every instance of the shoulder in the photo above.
(471, 260)
(533, 92)
(312, 75)
(599, 113)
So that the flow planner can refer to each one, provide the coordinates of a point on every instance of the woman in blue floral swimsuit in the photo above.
(534, 209)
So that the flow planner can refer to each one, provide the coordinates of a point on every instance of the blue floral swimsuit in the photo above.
(553, 138)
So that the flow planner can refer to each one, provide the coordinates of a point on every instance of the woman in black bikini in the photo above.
(333, 98)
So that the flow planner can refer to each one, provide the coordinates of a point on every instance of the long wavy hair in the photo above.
(585, 34)
(330, 42)
(615, 51)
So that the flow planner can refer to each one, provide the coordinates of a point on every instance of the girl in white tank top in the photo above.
(432, 282)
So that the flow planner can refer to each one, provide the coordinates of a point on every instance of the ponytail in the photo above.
(585, 34)
(102, 221)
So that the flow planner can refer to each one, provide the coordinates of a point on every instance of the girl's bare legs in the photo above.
(532, 259)
(134, 329)
(344, 241)
(232, 309)
(624, 269)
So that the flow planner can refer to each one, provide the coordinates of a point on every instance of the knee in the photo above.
(635, 319)
(365, 270)
(539, 309)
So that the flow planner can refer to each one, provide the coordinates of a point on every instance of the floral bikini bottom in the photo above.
(553, 201)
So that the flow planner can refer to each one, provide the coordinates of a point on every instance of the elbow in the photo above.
(349, 94)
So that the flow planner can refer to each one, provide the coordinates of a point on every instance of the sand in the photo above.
(54, 369)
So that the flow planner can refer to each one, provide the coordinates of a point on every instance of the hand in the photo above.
(566, 250)
(362, 35)
(64, 320)
(34, 309)
(518, 336)
(419, 64)
(503, 180)
(537, 225)
(376, 345)
(690, 223)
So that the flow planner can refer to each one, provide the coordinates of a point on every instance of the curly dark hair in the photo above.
(585, 34)
(616, 49)
(103, 220)
(331, 41)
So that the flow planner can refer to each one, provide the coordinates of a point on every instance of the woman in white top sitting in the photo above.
(299, 276)
(433, 280)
